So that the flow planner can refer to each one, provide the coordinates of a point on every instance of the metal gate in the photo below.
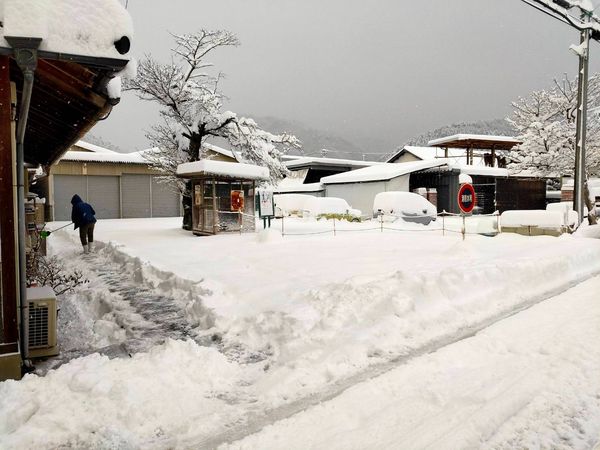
(136, 196)
(520, 193)
(103, 195)
(65, 186)
(165, 199)
(485, 194)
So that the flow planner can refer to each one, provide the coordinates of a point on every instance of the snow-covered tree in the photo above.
(546, 123)
(192, 112)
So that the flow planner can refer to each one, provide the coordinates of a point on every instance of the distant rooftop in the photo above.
(427, 153)
(382, 172)
(306, 162)
(476, 141)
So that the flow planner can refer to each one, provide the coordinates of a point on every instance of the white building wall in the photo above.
(398, 184)
(362, 195)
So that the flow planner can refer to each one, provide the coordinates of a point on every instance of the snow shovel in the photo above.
(44, 234)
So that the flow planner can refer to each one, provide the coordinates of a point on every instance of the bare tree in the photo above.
(45, 271)
(192, 113)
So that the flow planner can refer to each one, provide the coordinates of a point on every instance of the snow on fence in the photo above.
(444, 222)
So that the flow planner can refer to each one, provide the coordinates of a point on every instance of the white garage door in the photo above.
(136, 195)
(65, 186)
(165, 200)
(103, 195)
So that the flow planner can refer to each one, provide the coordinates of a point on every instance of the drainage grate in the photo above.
(38, 325)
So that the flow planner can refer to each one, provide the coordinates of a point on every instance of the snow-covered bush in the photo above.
(330, 207)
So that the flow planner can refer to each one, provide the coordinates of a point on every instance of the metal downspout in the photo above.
(25, 102)
(26, 58)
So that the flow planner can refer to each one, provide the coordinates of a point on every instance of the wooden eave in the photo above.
(67, 100)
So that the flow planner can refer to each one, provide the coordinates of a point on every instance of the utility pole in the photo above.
(583, 51)
(589, 26)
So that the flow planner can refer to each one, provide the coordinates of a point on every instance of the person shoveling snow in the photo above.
(84, 218)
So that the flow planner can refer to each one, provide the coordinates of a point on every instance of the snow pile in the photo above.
(464, 178)
(88, 28)
(591, 231)
(533, 218)
(403, 204)
(570, 217)
(154, 398)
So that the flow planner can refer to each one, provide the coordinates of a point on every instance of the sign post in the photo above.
(266, 206)
(466, 202)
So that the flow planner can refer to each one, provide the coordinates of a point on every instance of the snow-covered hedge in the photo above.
(533, 218)
(317, 206)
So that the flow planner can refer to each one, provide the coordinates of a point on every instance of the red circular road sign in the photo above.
(466, 198)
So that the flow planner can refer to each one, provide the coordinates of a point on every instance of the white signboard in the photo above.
(266, 207)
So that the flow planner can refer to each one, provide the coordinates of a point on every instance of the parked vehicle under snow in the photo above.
(406, 206)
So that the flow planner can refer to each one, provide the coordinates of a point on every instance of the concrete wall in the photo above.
(407, 157)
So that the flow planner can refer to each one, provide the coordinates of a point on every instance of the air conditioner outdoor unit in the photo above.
(42, 322)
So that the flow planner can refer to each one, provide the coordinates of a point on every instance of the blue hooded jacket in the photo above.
(82, 212)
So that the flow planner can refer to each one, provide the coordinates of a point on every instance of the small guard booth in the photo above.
(222, 195)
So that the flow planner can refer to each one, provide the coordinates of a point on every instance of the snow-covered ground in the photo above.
(213, 338)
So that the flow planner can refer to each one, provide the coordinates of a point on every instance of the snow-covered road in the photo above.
(529, 381)
(278, 325)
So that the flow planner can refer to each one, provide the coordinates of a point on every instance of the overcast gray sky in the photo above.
(379, 69)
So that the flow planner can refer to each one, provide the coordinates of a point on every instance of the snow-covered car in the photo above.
(407, 206)
(323, 206)
(290, 204)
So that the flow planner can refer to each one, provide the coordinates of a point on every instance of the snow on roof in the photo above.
(479, 170)
(472, 137)
(84, 28)
(290, 157)
(296, 185)
(222, 168)
(382, 172)
(105, 157)
(221, 151)
(92, 147)
(306, 161)
(455, 154)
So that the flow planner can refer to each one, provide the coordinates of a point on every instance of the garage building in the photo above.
(118, 185)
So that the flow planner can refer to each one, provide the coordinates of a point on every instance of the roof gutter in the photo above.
(113, 64)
